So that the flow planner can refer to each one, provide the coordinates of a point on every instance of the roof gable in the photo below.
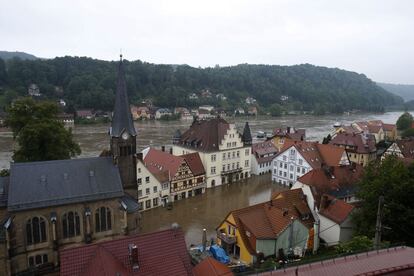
(160, 161)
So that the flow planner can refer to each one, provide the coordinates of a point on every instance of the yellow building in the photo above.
(268, 228)
(360, 148)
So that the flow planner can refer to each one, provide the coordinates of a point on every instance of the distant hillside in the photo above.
(405, 91)
(90, 83)
(5, 55)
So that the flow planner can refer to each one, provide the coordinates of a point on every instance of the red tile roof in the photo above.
(210, 267)
(205, 135)
(159, 253)
(267, 220)
(316, 154)
(335, 209)
(389, 127)
(393, 261)
(194, 162)
(356, 143)
(337, 181)
(157, 161)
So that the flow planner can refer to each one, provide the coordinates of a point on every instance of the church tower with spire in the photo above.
(123, 135)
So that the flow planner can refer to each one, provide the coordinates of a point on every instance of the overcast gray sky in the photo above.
(373, 37)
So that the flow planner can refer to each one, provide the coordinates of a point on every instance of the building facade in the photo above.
(298, 158)
(185, 173)
(153, 188)
(262, 155)
(58, 204)
(359, 147)
(224, 152)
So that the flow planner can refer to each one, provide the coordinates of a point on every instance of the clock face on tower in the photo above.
(125, 136)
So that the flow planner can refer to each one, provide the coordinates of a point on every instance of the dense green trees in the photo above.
(39, 134)
(404, 121)
(90, 83)
(395, 181)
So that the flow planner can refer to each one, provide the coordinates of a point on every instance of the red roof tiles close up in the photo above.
(160, 253)
(335, 209)
(316, 154)
(210, 267)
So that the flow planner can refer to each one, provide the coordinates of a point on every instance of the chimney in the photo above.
(162, 148)
(324, 202)
(133, 256)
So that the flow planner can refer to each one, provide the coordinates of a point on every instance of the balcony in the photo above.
(226, 238)
(239, 170)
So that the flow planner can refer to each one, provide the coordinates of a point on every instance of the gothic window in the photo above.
(36, 230)
(70, 225)
(103, 220)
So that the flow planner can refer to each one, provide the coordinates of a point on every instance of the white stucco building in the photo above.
(224, 152)
(296, 158)
(153, 188)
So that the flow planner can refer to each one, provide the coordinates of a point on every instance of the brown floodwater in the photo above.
(209, 209)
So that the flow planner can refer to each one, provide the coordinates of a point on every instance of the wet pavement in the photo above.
(209, 209)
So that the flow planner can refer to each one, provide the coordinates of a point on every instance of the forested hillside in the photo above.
(5, 55)
(406, 91)
(90, 83)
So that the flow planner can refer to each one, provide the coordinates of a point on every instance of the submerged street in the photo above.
(209, 209)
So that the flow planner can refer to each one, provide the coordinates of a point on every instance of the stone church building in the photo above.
(49, 205)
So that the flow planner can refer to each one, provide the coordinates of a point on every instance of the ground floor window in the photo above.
(190, 193)
(148, 204)
(38, 260)
(246, 175)
(176, 197)
(213, 183)
(182, 195)
(140, 205)
(155, 202)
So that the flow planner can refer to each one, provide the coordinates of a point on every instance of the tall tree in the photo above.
(404, 121)
(40, 135)
(395, 181)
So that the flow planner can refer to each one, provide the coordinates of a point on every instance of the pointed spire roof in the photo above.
(122, 118)
(247, 135)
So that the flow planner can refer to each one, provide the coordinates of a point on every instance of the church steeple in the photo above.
(123, 136)
(122, 117)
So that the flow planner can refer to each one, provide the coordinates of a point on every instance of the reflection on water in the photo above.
(209, 209)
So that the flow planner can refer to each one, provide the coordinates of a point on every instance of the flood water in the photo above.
(209, 209)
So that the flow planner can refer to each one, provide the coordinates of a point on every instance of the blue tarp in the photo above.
(219, 254)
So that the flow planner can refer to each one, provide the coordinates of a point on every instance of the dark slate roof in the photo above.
(247, 135)
(4, 184)
(122, 118)
(131, 203)
(52, 183)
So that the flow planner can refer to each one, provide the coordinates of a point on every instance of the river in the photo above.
(94, 138)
